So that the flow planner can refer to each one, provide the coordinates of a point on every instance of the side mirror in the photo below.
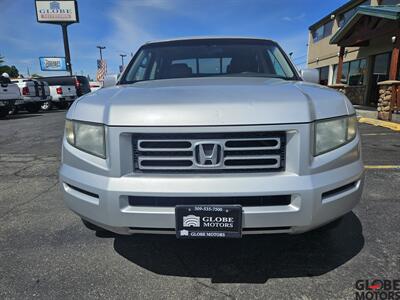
(310, 75)
(110, 80)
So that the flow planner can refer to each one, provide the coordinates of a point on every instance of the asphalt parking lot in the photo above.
(45, 251)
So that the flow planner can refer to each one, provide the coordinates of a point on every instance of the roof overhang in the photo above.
(387, 12)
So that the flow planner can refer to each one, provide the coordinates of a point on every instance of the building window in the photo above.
(381, 67)
(354, 72)
(323, 75)
(318, 34)
(357, 72)
(345, 17)
(345, 73)
(322, 31)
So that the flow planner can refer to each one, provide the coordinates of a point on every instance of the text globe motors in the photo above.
(57, 12)
(53, 64)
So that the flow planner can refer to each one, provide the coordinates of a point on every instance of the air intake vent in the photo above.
(148, 201)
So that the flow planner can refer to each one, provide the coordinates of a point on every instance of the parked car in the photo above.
(63, 90)
(9, 94)
(95, 85)
(212, 138)
(81, 83)
(33, 92)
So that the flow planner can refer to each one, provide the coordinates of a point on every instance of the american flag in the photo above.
(101, 70)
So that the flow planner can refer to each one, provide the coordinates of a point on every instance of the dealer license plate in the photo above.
(208, 221)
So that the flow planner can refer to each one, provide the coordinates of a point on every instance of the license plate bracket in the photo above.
(208, 221)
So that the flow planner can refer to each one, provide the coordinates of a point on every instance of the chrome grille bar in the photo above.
(241, 152)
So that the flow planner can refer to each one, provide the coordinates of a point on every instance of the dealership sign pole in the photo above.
(66, 48)
(64, 13)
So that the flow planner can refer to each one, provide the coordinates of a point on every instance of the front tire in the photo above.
(13, 110)
(63, 105)
(33, 107)
(4, 111)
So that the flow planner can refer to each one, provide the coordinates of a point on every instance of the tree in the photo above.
(12, 71)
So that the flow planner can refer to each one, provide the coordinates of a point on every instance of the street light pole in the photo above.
(122, 59)
(101, 48)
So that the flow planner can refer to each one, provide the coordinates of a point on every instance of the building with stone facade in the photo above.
(356, 50)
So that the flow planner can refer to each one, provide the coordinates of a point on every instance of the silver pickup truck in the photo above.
(9, 95)
(211, 138)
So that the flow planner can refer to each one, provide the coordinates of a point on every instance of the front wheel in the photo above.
(63, 105)
(13, 110)
(33, 107)
(46, 106)
(4, 111)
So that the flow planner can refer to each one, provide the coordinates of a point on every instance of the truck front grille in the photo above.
(209, 152)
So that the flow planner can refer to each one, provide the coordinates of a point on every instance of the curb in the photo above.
(375, 122)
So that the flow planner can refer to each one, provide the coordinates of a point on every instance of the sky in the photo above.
(124, 25)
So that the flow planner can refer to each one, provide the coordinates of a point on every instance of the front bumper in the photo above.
(7, 103)
(27, 100)
(64, 99)
(104, 200)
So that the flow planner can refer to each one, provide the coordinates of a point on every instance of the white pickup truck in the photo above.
(34, 94)
(9, 94)
(63, 93)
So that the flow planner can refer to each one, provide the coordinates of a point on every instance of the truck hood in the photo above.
(210, 101)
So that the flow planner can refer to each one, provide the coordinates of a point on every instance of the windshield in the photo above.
(206, 59)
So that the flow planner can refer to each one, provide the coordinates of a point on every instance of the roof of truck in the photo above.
(197, 38)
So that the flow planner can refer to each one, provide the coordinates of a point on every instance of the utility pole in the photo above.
(122, 59)
(101, 48)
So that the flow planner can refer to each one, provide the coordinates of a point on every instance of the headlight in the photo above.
(87, 137)
(333, 133)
